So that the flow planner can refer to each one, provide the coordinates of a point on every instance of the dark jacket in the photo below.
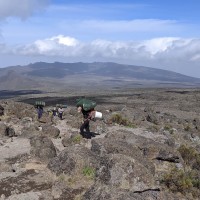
(86, 113)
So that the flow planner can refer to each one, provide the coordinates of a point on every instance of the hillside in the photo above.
(146, 147)
(46, 76)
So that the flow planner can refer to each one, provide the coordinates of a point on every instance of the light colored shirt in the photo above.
(60, 110)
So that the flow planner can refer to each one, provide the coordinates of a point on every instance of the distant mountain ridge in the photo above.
(42, 75)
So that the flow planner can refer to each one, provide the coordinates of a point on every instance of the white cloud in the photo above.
(20, 8)
(158, 47)
(158, 44)
(174, 54)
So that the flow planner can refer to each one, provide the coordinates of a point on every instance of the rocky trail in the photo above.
(134, 153)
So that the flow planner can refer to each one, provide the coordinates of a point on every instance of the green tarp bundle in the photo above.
(61, 105)
(39, 103)
(86, 104)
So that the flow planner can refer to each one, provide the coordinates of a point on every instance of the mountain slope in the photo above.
(14, 81)
(58, 75)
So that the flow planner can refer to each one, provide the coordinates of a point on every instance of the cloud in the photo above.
(176, 54)
(151, 49)
(20, 8)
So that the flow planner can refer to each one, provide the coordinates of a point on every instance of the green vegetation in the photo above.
(89, 172)
(187, 128)
(169, 128)
(117, 118)
(190, 156)
(153, 128)
(184, 182)
(77, 139)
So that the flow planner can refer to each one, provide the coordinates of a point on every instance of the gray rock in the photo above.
(50, 131)
(42, 147)
(72, 160)
(10, 132)
(3, 128)
(30, 131)
(151, 117)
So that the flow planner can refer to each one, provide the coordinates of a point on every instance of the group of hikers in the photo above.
(84, 106)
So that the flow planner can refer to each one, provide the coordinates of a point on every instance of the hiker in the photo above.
(1, 110)
(39, 105)
(40, 111)
(54, 111)
(87, 108)
(87, 116)
(60, 112)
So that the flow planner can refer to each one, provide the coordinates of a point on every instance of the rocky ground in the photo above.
(146, 147)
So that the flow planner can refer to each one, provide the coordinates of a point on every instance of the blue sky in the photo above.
(160, 34)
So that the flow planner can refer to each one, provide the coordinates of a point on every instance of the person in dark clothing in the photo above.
(87, 116)
(1, 110)
(40, 111)
(54, 111)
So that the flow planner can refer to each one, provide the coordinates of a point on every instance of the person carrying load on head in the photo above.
(40, 111)
(39, 105)
(86, 106)
(60, 112)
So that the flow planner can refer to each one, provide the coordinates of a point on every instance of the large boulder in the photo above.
(26, 122)
(10, 132)
(7, 130)
(19, 110)
(50, 131)
(43, 148)
(72, 160)
(31, 131)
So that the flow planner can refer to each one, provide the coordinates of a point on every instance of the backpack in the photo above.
(86, 104)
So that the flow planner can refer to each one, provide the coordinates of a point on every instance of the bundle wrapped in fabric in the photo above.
(39, 103)
(86, 104)
(61, 105)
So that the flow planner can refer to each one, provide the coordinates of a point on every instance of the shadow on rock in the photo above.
(89, 135)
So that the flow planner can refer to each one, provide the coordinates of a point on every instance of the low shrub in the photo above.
(89, 172)
(187, 128)
(117, 118)
(77, 139)
(184, 182)
(190, 156)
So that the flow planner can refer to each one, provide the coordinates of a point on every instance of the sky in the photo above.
(151, 33)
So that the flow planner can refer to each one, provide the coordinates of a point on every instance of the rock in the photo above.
(46, 118)
(61, 191)
(127, 173)
(151, 117)
(3, 128)
(10, 132)
(169, 155)
(98, 127)
(30, 131)
(18, 109)
(50, 131)
(42, 147)
(71, 140)
(104, 192)
(196, 123)
(26, 122)
(117, 145)
(72, 160)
